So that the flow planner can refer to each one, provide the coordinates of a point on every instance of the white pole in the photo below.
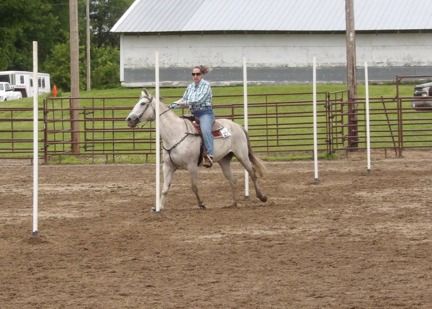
(315, 135)
(246, 124)
(157, 132)
(35, 140)
(368, 150)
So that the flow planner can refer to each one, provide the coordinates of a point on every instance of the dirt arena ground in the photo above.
(352, 241)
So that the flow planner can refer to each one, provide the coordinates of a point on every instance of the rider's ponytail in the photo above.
(203, 69)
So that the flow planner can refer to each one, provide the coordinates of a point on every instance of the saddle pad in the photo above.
(218, 130)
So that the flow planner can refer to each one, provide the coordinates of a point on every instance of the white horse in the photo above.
(182, 147)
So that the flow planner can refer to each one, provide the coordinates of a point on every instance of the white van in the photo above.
(23, 81)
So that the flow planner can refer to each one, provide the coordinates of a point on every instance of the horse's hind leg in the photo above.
(194, 177)
(225, 165)
(247, 164)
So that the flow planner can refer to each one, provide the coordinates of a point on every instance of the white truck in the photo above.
(7, 92)
(424, 94)
(23, 81)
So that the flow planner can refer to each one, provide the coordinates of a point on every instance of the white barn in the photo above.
(277, 37)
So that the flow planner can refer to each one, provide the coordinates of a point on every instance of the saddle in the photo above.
(218, 130)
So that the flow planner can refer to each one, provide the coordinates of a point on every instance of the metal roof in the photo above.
(145, 16)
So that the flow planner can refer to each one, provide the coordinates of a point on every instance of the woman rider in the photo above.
(198, 97)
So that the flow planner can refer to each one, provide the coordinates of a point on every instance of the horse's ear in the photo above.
(145, 92)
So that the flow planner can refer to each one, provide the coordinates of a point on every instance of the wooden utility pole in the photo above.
(351, 75)
(74, 70)
(88, 59)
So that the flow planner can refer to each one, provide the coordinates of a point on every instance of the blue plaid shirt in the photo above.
(198, 97)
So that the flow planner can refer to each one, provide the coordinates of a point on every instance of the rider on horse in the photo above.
(198, 97)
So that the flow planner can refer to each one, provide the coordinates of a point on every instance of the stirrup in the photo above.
(207, 161)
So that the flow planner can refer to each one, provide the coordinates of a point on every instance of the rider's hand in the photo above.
(179, 103)
(172, 106)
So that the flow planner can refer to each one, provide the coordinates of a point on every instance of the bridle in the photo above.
(145, 109)
(148, 105)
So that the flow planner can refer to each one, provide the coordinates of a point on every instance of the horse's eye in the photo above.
(145, 102)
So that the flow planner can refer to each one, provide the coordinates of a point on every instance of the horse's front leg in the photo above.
(168, 172)
(193, 170)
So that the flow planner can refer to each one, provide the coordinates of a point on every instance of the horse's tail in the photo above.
(256, 162)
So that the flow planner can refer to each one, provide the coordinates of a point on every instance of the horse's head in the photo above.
(142, 111)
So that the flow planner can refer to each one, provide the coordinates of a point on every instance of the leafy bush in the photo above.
(58, 66)
(105, 67)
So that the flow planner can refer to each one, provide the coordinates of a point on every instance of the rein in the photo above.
(164, 112)
(147, 106)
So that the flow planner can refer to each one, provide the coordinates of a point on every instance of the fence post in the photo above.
(45, 130)
(400, 126)
(328, 123)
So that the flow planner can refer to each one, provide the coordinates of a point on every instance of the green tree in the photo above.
(58, 66)
(21, 23)
(104, 14)
(47, 21)
(106, 62)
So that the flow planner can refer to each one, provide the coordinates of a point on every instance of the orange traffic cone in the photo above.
(54, 91)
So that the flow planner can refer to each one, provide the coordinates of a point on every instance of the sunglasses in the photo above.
(196, 74)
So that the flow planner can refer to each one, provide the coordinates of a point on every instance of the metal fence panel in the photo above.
(279, 125)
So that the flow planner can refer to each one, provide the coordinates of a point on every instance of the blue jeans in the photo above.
(206, 119)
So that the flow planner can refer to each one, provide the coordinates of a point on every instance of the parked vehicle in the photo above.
(23, 81)
(425, 92)
(7, 92)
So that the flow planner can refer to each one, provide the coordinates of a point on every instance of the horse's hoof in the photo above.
(232, 205)
(153, 209)
(202, 206)
(263, 198)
